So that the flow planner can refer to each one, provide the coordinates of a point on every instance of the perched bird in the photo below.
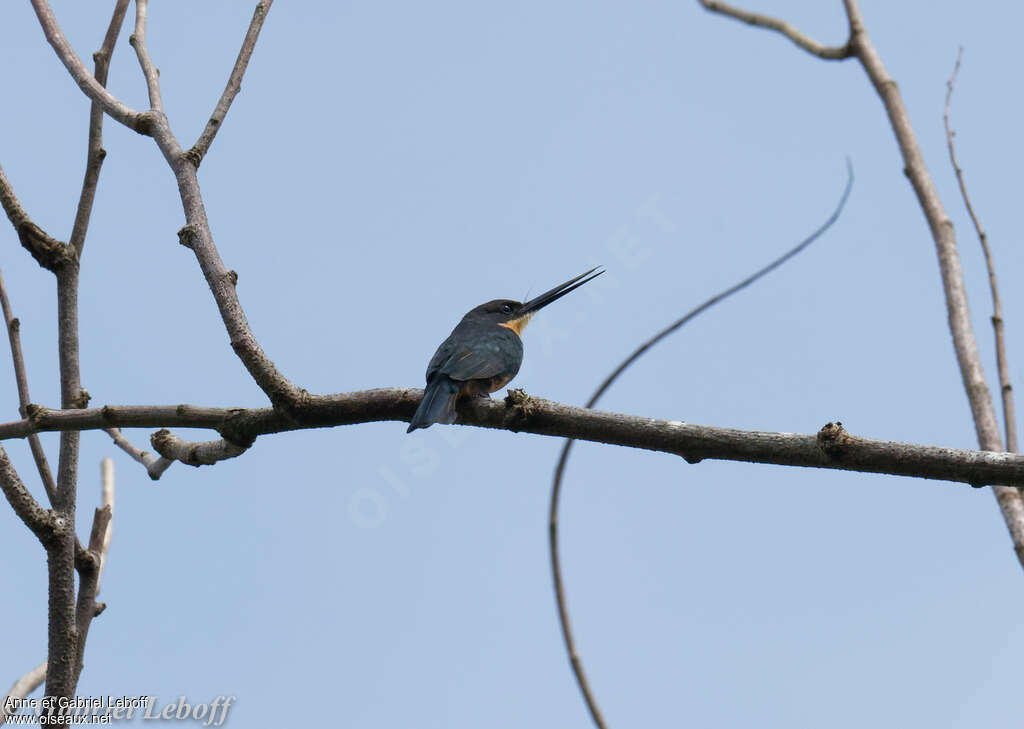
(482, 354)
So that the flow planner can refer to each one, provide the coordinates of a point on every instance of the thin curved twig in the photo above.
(556, 487)
(1002, 364)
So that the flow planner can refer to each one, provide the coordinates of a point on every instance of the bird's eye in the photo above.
(506, 308)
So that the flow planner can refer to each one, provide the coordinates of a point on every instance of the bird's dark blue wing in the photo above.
(495, 351)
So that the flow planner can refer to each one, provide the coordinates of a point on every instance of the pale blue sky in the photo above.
(389, 166)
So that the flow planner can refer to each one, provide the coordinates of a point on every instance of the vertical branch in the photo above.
(67, 626)
(60, 554)
(1002, 364)
(96, 154)
(138, 42)
(90, 568)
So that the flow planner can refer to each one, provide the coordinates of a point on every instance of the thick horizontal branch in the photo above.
(831, 448)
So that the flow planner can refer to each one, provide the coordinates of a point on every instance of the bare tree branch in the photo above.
(49, 252)
(9, 201)
(830, 53)
(138, 42)
(234, 85)
(556, 486)
(96, 154)
(42, 522)
(155, 464)
(96, 559)
(196, 234)
(21, 378)
(519, 412)
(965, 345)
(66, 641)
(222, 282)
(1002, 364)
(20, 689)
(86, 81)
(173, 448)
(90, 570)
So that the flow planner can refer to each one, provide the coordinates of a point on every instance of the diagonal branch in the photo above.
(132, 119)
(965, 345)
(1002, 364)
(155, 464)
(196, 234)
(38, 454)
(20, 689)
(49, 252)
(9, 201)
(96, 154)
(234, 85)
(830, 53)
(44, 524)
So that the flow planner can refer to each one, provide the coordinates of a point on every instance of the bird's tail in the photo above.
(437, 405)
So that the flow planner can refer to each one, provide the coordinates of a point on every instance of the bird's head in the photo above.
(515, 314)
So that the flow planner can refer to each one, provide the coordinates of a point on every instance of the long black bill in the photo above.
(559, 291)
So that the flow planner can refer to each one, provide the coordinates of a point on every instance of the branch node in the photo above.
(519, 409)
(35, 413)
(145, 123)
(100, 607)
(187, 236)
(235, 430)
(49, 252)
(81, 400)
(834, 440)
(193, 156)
